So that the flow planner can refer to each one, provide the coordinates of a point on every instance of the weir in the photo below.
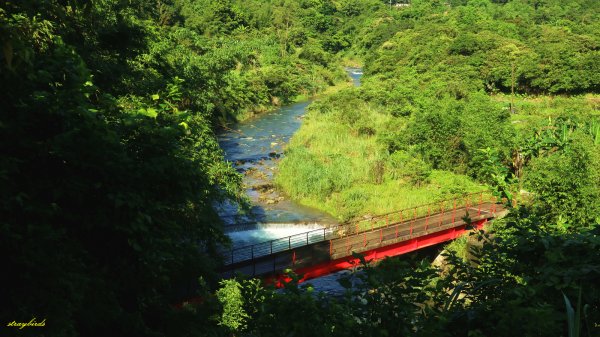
(323, 251)
(305, 225)
(255, 234)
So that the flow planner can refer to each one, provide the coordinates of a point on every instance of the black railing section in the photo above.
(355, 226)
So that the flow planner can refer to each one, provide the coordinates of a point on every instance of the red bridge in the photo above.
(324, 251)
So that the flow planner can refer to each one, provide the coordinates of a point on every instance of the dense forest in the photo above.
(109, 165)
(457, 94)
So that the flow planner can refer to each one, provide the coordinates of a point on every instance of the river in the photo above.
(254, 147)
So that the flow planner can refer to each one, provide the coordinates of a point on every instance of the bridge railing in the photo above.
(472, 202)
(278, 245)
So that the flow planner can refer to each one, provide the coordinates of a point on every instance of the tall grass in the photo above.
(535, 110)
(336, 163)
(595, 131)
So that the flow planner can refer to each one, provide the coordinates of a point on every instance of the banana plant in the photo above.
(595, 131)
(574, 316)
(496, 174)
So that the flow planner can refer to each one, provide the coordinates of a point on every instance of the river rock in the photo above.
(263, 187)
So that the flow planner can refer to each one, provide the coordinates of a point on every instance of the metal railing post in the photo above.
(427, 219)
(414, 215)
(454, 212)
(348, 244)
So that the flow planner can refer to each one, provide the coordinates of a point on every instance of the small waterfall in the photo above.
(251, 234)
(305, 226)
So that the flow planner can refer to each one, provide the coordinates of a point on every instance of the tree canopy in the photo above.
(109, 165)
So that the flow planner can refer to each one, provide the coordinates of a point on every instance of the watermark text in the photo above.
(32, 323)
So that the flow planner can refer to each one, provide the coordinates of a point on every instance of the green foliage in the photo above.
(109, 166)
(230, 295)
(410, 167)
(494, 49)
(494, 173)
(79, 209)
(310, 177)
(516, 280)
(566, 183)
(529, 264)
(438, 137)
(449, 90)
(359, 166)
(431, 99)
(573, 316)
(594, 128)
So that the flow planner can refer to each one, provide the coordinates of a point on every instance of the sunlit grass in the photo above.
(332, 166)
(392, 195)
(531, 111)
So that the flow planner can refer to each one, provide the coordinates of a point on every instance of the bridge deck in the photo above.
(324, 247)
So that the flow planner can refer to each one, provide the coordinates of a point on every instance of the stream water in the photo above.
(254, 147)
